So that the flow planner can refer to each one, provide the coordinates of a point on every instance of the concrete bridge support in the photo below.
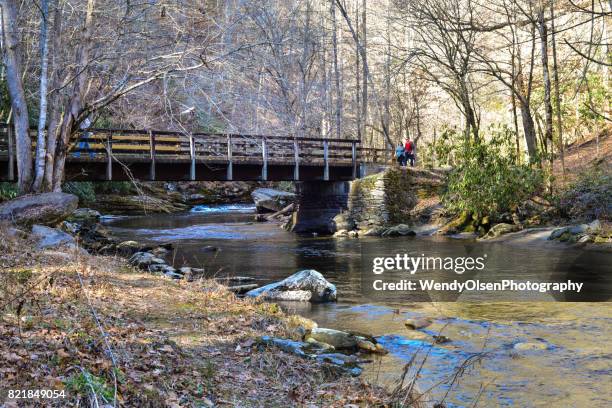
(318, 203)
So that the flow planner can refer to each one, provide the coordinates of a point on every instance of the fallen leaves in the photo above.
(166, 354)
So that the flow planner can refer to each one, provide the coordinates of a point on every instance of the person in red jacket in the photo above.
(409, 151)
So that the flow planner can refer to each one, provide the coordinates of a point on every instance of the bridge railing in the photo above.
(106, 145)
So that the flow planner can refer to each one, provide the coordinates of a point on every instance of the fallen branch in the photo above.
(284, 211)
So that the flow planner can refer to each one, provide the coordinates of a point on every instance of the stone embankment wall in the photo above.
(395, 196)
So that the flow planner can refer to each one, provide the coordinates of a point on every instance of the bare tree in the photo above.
(13, 64)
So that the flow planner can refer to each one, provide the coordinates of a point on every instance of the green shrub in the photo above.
(115, 187)
(487, 181)
(443, 152)
(8, 191)
(82, 189)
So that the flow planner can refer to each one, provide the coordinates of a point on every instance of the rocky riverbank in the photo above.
(152, 341)
(407, 202)
(107, 324)
(162, 197)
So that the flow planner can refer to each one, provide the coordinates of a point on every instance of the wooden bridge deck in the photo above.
(118, 154)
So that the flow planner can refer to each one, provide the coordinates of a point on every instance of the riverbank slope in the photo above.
(100, 330)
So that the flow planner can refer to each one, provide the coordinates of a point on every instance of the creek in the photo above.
(563, 357)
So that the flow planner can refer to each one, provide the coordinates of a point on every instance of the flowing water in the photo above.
(570, 364)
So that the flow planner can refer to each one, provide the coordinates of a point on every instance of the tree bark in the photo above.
(557, 93)
(55, 116)
(338, 109)
(12, 62)
(74, 109)
(364, 57)
(41, 142)
(548, 129)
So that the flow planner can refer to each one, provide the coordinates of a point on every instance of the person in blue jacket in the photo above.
(399, 155)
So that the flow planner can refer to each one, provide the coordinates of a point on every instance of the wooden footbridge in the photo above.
(119, 154)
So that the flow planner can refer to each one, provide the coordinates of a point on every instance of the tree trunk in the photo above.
(528, 129)
(471, 125)
(12, 62)
(55, 116)
(387, 116)
(557, 93)
(357, 76)
(75, 105)
(41, 143)
(366, 71)
(548, 129)
(513, 99)
(516, 130)
(364, 57)
(338, 109)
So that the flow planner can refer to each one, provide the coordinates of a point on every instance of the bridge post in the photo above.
(326, 159)
(264, 152)
(152, 148)
(11, 152)
(109, 156)
(230, 169)
(354, 158)
(296, 159)
(192, 172)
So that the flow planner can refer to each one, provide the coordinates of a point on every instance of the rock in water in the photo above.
(306, 285)
(51, 237)
(366, 345)
(341, 233)
(399, 230)
(128, 248)
(145, 259)
(336, 338)
(163, 268)
(85, 215)
(268, 199)
(530, 346)
(557, 233)
(500, 229)
(439, 339)
(373, 232)
(418, 323)
(45, 209)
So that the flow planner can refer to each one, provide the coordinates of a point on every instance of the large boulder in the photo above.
(306, 285)
(44, 209)
(51, 237)
(268, 199)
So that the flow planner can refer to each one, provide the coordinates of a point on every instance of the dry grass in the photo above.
(103, 332)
